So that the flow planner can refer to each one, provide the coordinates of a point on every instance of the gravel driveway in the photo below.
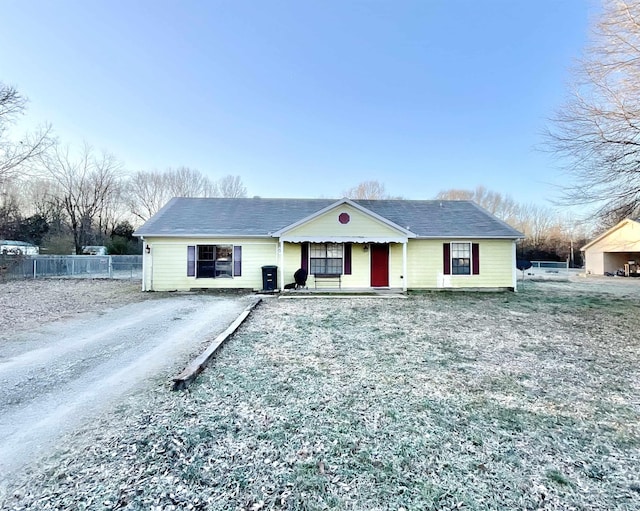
(61, 374)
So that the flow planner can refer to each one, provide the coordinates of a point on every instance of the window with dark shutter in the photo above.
(347, 258)
(304, 256)
(237, 261)
(191, 261)
(446, 258)
(475, 259)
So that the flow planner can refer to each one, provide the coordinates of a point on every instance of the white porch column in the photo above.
(514, 262)
(144, 266)
(281, 266)
(405, 277)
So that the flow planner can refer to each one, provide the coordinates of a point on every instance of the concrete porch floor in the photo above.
(330, 292)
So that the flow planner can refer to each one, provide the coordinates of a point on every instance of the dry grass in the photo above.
(440, 401)
(28, 303)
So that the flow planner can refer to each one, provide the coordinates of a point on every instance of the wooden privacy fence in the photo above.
(71, 266)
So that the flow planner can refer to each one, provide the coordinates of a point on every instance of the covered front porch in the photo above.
(344, 247)
(344, 266)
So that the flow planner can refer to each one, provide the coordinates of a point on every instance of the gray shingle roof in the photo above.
(260, 217)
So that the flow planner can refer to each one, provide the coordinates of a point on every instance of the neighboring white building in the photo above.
(617, 249)
(11, 247)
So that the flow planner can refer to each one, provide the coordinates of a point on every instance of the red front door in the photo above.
(379, 265)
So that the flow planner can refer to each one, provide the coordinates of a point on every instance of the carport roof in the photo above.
(216, 217)
(606, 233)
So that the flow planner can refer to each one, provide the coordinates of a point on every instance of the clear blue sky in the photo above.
(301, 98)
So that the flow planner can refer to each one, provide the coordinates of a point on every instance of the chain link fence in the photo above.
(71, 266)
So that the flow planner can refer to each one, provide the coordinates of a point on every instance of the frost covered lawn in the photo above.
(439, 401)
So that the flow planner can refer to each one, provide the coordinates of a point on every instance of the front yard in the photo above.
(438, 401)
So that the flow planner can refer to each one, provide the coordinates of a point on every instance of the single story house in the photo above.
(195, 243)
(617, 249)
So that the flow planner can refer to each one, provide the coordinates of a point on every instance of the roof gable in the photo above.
(616, 229)
(343, 218)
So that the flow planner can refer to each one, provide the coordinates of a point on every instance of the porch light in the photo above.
(365, 247)
(147, 249)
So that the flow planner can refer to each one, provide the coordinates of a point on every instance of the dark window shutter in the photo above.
(191, 261)
(475, 259)
(446, 258)
(347, 258)
(237, 261)
(304, 256)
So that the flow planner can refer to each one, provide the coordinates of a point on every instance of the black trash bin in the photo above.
(269, 278)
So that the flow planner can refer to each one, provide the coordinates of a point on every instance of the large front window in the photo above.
(214, 261)
(325, 258)
(461, 258)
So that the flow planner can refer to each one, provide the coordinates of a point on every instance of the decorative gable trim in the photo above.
(329, 238)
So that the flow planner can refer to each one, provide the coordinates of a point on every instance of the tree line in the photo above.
(549, 234)
(62, 198)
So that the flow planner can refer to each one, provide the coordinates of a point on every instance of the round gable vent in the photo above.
(344, 218)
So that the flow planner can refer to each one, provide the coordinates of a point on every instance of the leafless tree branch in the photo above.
(15, 156)
(596, 134)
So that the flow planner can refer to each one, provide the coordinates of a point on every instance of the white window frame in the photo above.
(451, 258)
(326, 244)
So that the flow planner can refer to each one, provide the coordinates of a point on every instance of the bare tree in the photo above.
(89, 187)
(502, 206)
(537, 223)
(187, 182)
(146, 194)
(10, 207)
(15, 155)
(148, 191)
(597, 133)
(231, 186)
(367, 190)
(12, 103)
(547, 233)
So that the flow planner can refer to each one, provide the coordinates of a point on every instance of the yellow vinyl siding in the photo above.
(359, 225)
(291, 263)
(169, 264)
(360, 274)
(359, 265)
(292, 258)
(395, 265)
(166, 266)
(425, 265)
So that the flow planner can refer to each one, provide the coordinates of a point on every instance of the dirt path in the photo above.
(58, 376)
